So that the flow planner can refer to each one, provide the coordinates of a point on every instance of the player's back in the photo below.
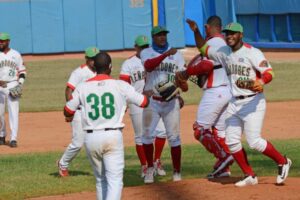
(104, 102)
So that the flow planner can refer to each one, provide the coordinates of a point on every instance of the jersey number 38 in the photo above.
(101, 105)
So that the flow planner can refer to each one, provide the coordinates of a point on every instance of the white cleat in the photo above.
(248, 180)
(143, 171)
(149, 177)
(176, 176)
(159, 168)
(283, 171)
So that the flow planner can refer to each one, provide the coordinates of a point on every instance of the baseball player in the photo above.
(103, 103)
(209, 127)
(161, 62)
(12, 77)
(248, 70)
(133, 72)
(79, 75)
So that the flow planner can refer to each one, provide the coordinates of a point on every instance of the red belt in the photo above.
(158, 98)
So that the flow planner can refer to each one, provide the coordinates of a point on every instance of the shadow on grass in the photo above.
(73, 173)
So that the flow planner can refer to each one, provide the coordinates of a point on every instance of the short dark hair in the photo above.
(102, 62)
(214, 21)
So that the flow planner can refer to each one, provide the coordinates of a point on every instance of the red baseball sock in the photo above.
(141, 154)
(159, 145)
(148, 149)
(272, 153)
(241, 159)
(176, 158)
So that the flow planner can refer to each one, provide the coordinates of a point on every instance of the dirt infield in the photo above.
(43, 132)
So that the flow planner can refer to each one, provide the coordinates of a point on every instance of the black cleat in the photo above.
(2, 140)
(13, 143)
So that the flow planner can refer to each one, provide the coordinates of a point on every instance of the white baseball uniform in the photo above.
(246, 109)
(79, 75)
(168, 111)
(11, 66)
(103, 102)
(132, 69)
(216, 95)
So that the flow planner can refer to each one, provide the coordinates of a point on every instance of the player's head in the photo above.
(159, 35)
(90, 53)
(4, 41)
(213, 26)
(102, 63)
(141, 42)
(233, 35)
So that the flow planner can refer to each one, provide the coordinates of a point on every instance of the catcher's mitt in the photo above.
(167, 90)
(253, 85)
(16, 91)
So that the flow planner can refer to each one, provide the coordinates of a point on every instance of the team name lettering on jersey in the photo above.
(239, 70)
(8, 63)
(137, 76)
(167, 67)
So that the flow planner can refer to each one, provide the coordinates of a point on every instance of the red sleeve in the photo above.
(68, 110)
(125, 78)
(200, 68)
(145, 102)
(267, 76)
(152, 63)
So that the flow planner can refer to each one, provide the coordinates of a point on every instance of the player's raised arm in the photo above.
(200, 41)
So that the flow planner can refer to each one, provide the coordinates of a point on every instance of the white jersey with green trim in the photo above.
(79, 75)
(11, 65)
(133, 68)
(103, 102)
(247, 63)
(165, 71)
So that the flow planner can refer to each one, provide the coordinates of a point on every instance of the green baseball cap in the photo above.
(234, 26)
(141, 40)
(4, 36)
(158, 29)
(91, 52)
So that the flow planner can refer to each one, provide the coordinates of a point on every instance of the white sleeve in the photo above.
(132, 96)
(73, 104)
(145, 55)
(125, 68)
(74, 79)
(181, 62)
(258, 61)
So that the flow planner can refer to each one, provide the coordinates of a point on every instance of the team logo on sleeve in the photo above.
(264, 64)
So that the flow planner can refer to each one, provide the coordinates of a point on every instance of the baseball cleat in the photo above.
(63, 172)
(176, 176)
(13, 144)
(159, 168)
(2, 140)
(222, 166)
(283, 171)
(222, 174)
(143, 171)
(149, 177)
(248, 180)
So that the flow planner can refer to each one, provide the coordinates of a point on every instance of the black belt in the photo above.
(217, 67)
(244, 97)
(106, 129)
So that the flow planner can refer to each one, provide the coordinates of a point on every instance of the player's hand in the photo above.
(3, 84)
(171, 51)
(69, 119)
(148, 93)
(193, 25)
(257, 86)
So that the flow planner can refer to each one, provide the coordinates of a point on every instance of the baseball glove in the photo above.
(167, 90)
(253, 85)
(181, 78)
(16, 91)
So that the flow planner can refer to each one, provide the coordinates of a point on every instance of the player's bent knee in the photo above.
(198, 131)
(138, 140)
(234, 147)
(174, 141)
(258, 144)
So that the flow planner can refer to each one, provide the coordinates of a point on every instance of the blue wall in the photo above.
(56, 26)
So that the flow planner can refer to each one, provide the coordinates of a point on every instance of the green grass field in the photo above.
(46, 82)
(33, 175)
